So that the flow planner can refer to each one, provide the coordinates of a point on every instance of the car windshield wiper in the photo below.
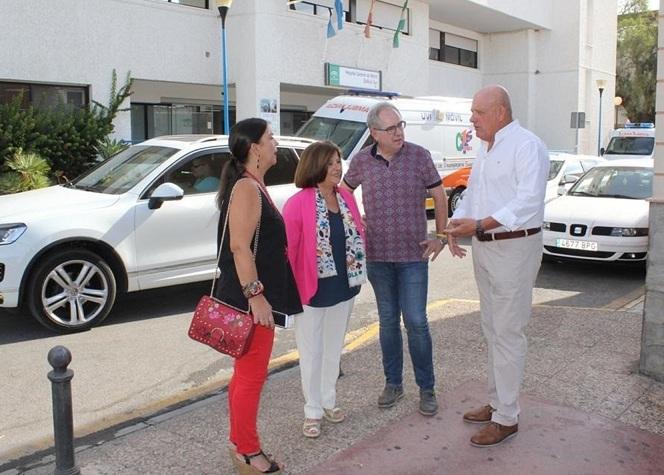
(618, 196)
(581, 193)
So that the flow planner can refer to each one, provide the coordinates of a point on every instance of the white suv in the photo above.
(137, 221)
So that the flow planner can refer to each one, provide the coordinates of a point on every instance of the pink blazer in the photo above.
(300, 217)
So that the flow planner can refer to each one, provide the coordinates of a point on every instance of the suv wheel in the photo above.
(453, 200)
(71, 290)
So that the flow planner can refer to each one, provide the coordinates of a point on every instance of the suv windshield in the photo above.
(555, 167)
(123, 171)
(344, 133)
(630, 146)
(608, 182)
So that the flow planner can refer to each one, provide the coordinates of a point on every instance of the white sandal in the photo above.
(334, 415)
(311, 428)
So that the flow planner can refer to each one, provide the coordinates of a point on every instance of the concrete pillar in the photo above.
(652, 340)
(256, 89)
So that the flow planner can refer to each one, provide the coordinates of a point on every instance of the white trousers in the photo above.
(505, 271)
(319, 334)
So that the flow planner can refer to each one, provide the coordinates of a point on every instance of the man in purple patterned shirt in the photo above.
(395, 176)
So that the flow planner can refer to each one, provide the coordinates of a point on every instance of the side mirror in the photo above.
(601, 151)
(569, 179)
(165, 192)
(562, 190)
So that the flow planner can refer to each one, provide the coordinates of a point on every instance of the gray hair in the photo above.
(372, 117)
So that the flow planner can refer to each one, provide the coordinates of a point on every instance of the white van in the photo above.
(440, 124)
(633, 141)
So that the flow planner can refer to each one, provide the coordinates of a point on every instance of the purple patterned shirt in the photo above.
(393, 193)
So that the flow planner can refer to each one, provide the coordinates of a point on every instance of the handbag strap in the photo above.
(223, 233)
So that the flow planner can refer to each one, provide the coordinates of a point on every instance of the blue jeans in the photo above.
(401, 288)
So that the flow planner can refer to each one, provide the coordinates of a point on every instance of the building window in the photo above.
(453, 49)
(154, 120)
(191, 3)
(44, 95)
(385, 15)
(290, 121)
(321, 8)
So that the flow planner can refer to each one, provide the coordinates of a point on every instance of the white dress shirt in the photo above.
(508, 182)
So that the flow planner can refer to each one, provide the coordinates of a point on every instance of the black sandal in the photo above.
(247, 469)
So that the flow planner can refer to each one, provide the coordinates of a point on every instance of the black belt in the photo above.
(508, 234)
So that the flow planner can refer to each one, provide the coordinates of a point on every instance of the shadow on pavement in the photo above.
(17, 326)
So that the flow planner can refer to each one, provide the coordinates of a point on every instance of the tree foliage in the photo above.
(636, 64)
(66, 137)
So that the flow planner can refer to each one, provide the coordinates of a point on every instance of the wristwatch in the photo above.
(479, 229)
(442, 237)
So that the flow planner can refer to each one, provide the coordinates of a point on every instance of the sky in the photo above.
(653, 4)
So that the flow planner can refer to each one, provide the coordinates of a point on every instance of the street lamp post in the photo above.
(617, 102)
(223, 6)
(601, 84)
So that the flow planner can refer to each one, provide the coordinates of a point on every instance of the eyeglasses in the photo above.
(392, 129)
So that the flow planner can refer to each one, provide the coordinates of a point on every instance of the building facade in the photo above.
(548, 53)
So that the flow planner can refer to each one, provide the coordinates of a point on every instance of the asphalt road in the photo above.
(141, 361)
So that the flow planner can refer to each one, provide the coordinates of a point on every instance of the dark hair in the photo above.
(243, 134)
(312, 168)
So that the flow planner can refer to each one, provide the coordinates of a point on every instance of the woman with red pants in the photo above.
(255, 274)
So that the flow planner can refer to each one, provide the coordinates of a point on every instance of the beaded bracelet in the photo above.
(252, 289)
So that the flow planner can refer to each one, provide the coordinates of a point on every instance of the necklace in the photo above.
(261, 186)
(329, 194)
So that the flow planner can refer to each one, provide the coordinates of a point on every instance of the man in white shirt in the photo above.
(503, 209)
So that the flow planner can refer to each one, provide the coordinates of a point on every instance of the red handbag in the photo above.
(221, 326)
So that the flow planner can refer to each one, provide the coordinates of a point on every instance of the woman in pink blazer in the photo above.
(327, 255)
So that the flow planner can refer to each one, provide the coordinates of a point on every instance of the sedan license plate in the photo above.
(573, 244)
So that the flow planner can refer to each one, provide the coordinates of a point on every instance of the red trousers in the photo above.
(244, 391)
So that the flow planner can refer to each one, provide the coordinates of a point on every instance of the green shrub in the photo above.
(66, 137)
(26, 171)
(109, 147)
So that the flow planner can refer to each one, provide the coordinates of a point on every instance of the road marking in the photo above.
(625, 300)
(367, 334)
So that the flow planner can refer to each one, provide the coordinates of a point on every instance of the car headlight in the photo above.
(11, 232)
(629, 232)
(546, 226)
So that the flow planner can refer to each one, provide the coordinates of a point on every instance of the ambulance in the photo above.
(635, 140)
(439, 124)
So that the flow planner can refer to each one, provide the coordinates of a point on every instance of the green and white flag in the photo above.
(400, 26)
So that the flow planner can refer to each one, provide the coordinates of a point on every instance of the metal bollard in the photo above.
(63, 423)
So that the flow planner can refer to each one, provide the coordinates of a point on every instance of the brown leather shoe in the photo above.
(479, 416)
(493, 434)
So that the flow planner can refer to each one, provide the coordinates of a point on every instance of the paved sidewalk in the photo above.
(585, 410)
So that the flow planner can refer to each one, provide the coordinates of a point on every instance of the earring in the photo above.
(258, 162)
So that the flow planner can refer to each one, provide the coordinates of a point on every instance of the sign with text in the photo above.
(342, 76)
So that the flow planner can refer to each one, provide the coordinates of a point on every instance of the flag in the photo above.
(330, 28)
(400, 26)
(367, 27)
(339, 8)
